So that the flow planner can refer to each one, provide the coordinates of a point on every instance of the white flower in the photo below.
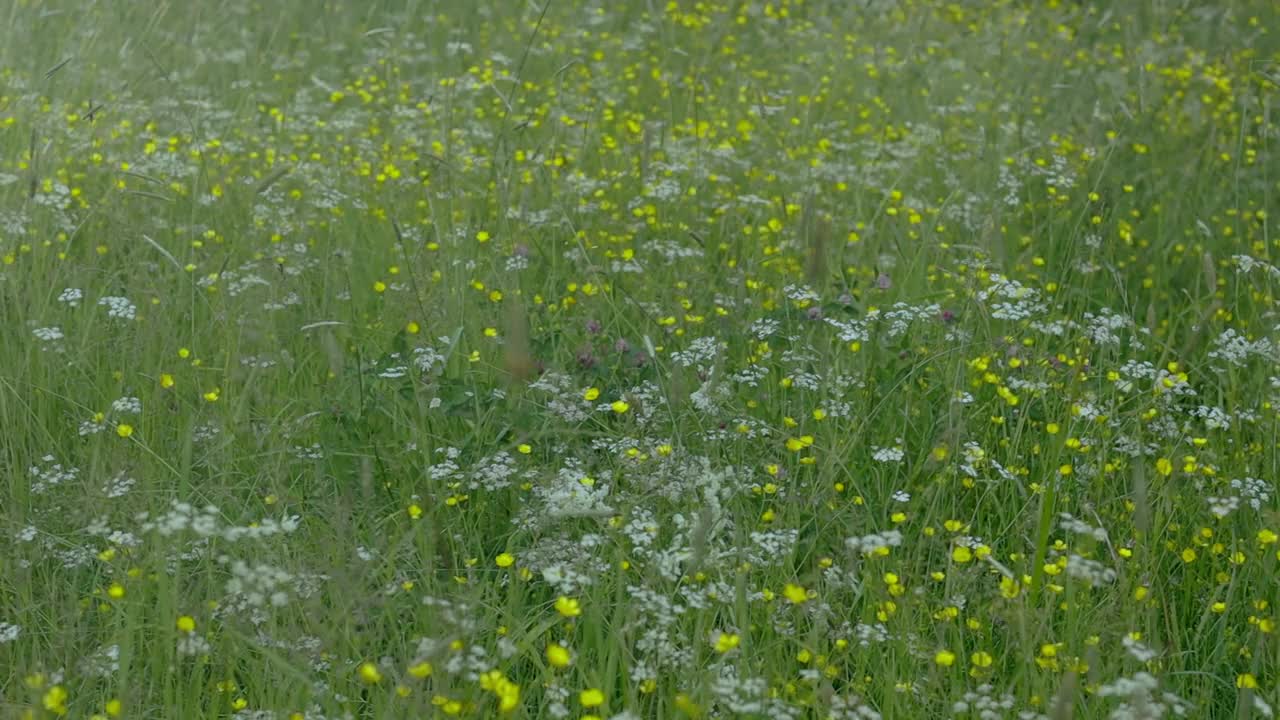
(1140, 652)
(119, 307)
(888, 455)
(127, 406)
(71, 296)
(48, 334)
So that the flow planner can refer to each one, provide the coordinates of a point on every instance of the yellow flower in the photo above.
(1246, 681)
(961, 554)
(795, 593)
(591, 697)
(1267, 537)
(524, 448)
(945, 658)
(726, 641)
(620, 406)
(1164, 467)
(370, 673)
(421, 670)
(1009, 588)
(981, 659)
(591, 394)
(55, 700)
(508, 697)
(115, 591)
(166, 380)
(558, 656)
(124, 430)
(504, 560)
(568, 607)
(186, 624)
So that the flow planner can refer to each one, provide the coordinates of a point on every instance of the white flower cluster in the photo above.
(764, 327)
(119, 307)
(850, 330)
(1141, 699)
(899, 318)
(118, 486)
(258, 584)
(1237, 349)
(738, 695)
(875, 541)
(888, 455)
(71, 297)
(102, 663)
(1248, 264)
(801, 294)
(1252, 491)
(1222, 506)
(701, 352)
(1104, 327)
(493, 472)
(48, 334)
(207, 522)
(984, 703)
(193, 644)
(127, 406)
(1017, 301)
(1067, 522)
(49, 474)
(1215, 418)
(868, 635)
(1139, 651)
(566, 400)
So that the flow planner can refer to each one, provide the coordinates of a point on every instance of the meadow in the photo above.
(782, 359)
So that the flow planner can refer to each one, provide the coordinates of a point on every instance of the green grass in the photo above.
(774, 360)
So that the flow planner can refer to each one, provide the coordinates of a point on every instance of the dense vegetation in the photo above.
(791, 359)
